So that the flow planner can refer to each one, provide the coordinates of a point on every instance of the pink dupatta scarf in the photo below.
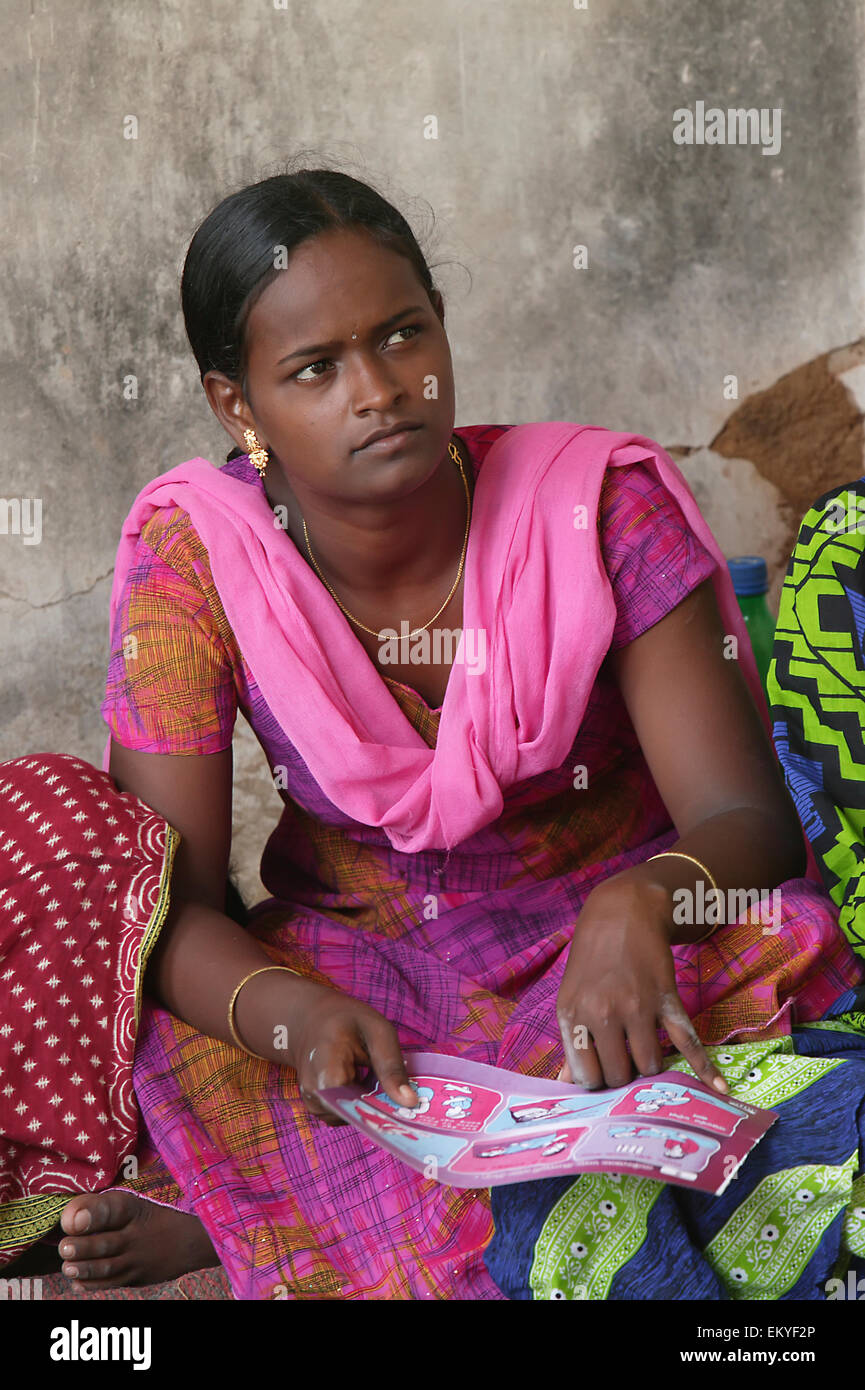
(535, 583)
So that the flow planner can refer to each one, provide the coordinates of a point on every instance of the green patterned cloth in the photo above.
(816, 689)
(791, 1221)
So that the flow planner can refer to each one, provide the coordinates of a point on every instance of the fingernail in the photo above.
(67, 1250)
(71, 1272)
(720, 1084)
(408, 1091)
(82, 1220)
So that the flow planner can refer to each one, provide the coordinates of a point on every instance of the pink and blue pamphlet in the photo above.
(479, 1126)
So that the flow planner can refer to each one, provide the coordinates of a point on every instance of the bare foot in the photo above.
(115, 1238)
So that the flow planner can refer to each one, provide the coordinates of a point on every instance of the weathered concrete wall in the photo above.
(555, 129)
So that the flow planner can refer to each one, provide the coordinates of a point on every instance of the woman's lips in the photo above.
(391, 443)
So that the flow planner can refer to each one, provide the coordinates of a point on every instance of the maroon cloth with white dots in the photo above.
(84, 875)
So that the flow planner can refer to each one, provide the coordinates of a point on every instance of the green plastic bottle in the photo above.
(751, 583)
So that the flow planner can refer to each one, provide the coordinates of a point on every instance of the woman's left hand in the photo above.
(620, 985)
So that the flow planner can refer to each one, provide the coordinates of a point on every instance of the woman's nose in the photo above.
(374, 384)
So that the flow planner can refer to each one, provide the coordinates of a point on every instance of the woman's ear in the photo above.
(225, 398)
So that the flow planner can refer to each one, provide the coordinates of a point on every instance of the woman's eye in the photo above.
(412, 328)
(299, 375)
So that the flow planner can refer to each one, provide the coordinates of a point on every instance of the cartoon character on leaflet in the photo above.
(660, 1095)
(406, 1112)
(717, 1114)
(457, 1101)
(446, 1105)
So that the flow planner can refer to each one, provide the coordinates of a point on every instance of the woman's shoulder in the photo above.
(170, 535)
(171, 573)
(171, 553)
(627, 489)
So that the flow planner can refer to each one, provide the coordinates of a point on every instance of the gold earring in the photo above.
(258, 456)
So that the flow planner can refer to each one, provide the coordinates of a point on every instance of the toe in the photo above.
(101, 1274)
(95, 1247)
(96, 1211)
(76, 1215)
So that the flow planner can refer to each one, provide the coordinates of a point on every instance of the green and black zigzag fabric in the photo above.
(816, 688)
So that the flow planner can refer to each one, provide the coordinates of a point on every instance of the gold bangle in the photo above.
(680, 854)
(231, 1028)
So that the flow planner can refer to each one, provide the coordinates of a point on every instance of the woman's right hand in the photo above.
(333, 1037)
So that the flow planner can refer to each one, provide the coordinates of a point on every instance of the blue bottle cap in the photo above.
(749, 574)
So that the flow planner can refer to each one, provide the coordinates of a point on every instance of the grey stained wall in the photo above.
(555, 128)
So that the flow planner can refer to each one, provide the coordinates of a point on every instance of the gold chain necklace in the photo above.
(454, 453)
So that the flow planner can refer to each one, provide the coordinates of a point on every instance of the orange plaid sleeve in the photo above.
(171, 672)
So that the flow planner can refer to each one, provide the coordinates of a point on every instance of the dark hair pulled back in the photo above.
(231, 258)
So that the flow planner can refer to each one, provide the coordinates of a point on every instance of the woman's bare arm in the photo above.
(202, 955)
(716, 771)
(711, 759)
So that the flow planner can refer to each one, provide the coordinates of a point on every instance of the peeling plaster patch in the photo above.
(779, 451)
(804, 433)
